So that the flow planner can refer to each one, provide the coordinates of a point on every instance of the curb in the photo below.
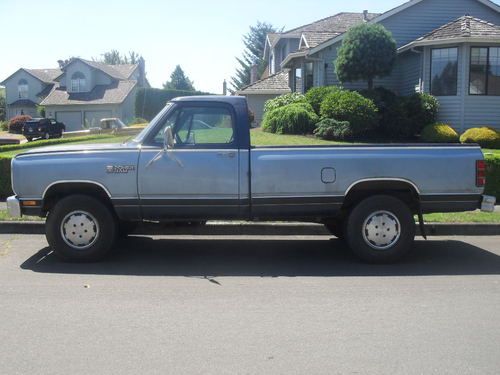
(259, 228)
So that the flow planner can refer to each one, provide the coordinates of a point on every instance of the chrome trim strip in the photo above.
(382, 179)
(76, 182)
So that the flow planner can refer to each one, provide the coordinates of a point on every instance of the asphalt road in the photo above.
(255, 305)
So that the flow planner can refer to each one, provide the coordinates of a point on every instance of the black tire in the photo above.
(86, 209)
(126, 227)
(29, 139)
(336, 227)
(367, 237)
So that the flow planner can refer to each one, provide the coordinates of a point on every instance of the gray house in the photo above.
(449, 48)
(80, 94)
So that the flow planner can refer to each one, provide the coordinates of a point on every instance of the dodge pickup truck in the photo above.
(195, 162)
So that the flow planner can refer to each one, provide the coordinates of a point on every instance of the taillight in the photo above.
(480, 173)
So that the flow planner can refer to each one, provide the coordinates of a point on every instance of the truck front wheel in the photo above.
(380, 229)
(80, 228)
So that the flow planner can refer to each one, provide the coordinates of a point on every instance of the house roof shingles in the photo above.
(339, 23)
(121, 71)
(101, 94)
(45, 75)
(463, 27)
(274, 83)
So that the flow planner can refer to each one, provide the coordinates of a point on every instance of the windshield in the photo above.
(153, 122)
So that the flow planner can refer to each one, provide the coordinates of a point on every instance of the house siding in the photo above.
(127, 108)
(409, 68)
(87, 71)
(256, 105)
(35, 86)
(428, 15)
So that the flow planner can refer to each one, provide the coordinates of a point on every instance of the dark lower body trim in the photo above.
(450, 203)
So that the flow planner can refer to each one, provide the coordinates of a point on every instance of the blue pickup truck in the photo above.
(195, 162)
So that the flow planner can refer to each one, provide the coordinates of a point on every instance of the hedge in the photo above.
(439, 133)
(295, 118)
(5, 184)
(148, 101)
(486, 137)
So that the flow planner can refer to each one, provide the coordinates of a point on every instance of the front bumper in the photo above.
(14, 206)
(488, 203)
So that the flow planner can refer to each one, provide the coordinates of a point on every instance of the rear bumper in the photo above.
(14, 207)
(488, 203)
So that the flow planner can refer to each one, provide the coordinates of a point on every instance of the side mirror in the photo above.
(168, 138)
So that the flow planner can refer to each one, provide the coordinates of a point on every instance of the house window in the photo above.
(22, 89)
(271, 63)
(484, 78)
(309, 76)
(78, 82)
(444, 71)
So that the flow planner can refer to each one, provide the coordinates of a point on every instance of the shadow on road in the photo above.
(145, 256)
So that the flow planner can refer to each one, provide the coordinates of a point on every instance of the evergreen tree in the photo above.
(179, 81)
(255, 42)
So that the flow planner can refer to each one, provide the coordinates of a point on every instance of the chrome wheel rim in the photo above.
(381, 230)
(79, 230)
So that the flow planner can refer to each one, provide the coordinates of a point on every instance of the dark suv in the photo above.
(43, 128)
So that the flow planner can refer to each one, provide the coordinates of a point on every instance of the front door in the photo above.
(198, 178)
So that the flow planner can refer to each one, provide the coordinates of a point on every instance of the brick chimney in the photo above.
(365, 16)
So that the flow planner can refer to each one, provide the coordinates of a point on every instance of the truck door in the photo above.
(199, 177)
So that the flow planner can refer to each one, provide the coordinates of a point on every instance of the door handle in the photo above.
(227, 154)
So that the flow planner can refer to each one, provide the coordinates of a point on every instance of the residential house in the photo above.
(449, 48)
(80, 94)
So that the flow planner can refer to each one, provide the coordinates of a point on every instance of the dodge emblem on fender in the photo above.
(119, 168)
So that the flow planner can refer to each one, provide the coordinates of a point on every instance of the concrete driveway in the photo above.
(250, 305)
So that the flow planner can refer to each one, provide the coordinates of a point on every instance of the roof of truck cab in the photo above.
(210, 98)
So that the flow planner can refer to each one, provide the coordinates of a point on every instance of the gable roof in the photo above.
(114, 93)
(338, 23)
(274, 84)
(390, 13)
(120, 72)
(43, 75)
(311, 39)
(462, 29)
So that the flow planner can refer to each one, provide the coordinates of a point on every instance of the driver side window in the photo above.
(198, 126)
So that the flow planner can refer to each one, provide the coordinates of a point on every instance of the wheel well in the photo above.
(402, 190)
(58, 191)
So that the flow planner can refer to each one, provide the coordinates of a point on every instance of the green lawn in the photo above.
(261, 138)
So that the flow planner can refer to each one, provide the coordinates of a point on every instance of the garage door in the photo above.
(93, 118)
(72, 120)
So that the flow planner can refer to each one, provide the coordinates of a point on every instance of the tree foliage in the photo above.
(114, 57)
(254, 42)
(2, 105)
(179, 81)
(367, 51)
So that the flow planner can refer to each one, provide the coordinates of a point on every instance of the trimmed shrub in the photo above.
(16, 123)
(5, 185)
(148, 101)
(283, 100)
(4, 126)
(493, 176)
(316, 95)
(344, 105)
(439, 133)
(486, 137)
(296, 118)
(331, 129)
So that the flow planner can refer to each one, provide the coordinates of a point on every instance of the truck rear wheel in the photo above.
(380, 229)
(80, 228)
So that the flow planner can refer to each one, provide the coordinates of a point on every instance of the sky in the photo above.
(202, 36)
